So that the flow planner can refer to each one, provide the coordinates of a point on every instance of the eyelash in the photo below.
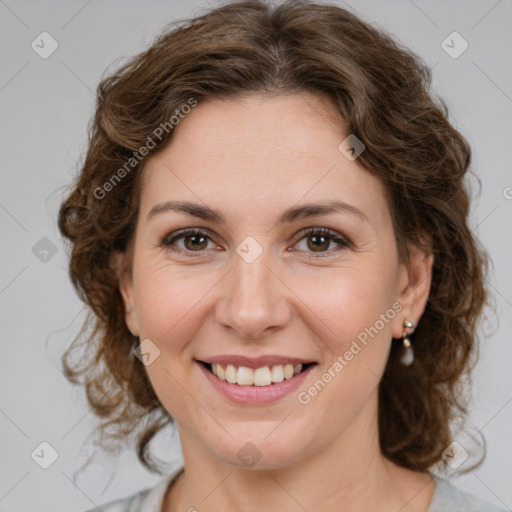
(169, 240)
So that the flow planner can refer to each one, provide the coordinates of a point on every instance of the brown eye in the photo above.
(318, 242)
(193, 240)
(197, 242)
(320, 239)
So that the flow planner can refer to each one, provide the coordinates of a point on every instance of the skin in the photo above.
(252, 158)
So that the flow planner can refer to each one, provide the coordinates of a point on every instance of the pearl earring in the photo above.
(408, 356)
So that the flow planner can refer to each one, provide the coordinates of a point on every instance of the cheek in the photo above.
(166, 302)
(348, 301)
(353, 315)
(167, 308)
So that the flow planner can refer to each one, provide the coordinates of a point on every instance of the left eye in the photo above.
(321, 238)
(318, 240)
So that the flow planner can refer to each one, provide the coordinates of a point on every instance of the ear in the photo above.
(121, 262)
(415, 278)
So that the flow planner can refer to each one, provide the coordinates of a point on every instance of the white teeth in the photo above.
(265, 376)
(277, 373)
(231, 374)
(288, 371)
(262, 377)
(245, 376)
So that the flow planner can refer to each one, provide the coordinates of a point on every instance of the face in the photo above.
(267, 280)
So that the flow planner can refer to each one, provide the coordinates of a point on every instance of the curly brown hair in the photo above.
(382, 92)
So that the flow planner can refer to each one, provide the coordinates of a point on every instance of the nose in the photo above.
(254, 301)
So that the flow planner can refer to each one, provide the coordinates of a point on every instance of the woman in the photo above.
(270, 228)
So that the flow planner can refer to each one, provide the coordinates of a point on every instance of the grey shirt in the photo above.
(446, 498)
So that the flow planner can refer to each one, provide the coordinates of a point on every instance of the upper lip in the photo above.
(254, 362)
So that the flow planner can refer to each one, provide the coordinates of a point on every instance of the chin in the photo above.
(261, 451)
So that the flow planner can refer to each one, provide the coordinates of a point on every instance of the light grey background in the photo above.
(46, 105)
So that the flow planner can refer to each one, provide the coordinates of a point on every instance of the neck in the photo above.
(348, 475)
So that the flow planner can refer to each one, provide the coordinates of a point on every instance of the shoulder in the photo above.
(146, 500)
(447, 498)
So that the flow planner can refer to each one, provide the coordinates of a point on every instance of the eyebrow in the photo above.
(291, 215)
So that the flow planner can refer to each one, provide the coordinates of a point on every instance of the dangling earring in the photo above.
(408, 356)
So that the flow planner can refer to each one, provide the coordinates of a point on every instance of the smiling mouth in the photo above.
(264, 376)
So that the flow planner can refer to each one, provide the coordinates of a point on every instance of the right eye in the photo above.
(194, 241)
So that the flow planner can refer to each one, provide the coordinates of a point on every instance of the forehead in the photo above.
(258, 151)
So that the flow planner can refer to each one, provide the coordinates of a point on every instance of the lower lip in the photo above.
(254, 395)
